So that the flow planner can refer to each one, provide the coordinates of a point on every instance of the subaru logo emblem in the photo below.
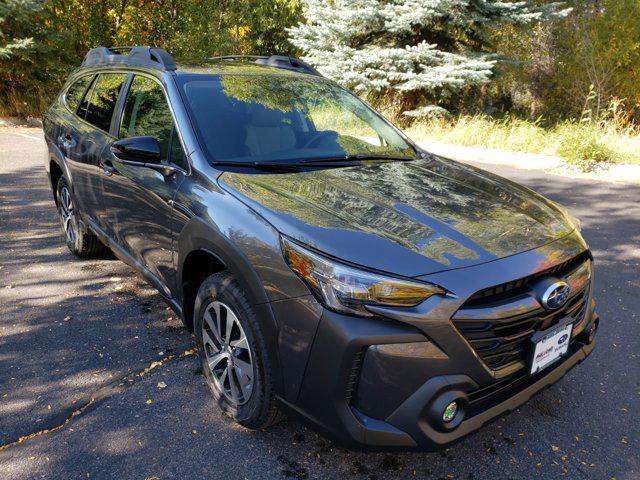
(563, 339)
(556, 295)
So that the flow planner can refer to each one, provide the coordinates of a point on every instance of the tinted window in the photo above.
(146, 113)
(76, 91)
(104, 98)
(285, 118)
(84, 104)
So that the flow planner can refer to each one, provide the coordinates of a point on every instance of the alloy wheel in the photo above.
(227, 352)
(67, 215)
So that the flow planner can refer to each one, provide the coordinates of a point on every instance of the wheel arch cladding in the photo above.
(55, 173)
(199, 242)
(56, 168)
(197, 266)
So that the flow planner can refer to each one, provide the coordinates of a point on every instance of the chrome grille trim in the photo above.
(499, 329)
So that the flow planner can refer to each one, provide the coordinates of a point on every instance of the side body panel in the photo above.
(141, 217)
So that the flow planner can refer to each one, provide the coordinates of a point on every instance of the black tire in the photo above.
(81, 243)
(260, 409)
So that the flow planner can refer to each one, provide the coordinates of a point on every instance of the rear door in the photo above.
(70, 127)
(89, 138)
(99, 114)
(138, 200)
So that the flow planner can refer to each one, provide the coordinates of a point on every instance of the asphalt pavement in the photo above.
(98, 379)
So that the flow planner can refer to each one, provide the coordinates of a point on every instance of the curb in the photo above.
(20, 122)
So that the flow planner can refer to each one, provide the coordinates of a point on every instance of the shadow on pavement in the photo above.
(117, 322)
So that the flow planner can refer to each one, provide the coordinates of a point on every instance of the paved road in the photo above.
(75, 330)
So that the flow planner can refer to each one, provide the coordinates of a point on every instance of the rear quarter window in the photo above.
(76, 92)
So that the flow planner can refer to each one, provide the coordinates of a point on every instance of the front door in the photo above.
(138, 200)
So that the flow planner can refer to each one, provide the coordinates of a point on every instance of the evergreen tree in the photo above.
(420, 49)
(16, 27)
(27, 65)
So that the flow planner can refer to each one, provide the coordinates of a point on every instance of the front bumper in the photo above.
(381, 382)
(329, 402)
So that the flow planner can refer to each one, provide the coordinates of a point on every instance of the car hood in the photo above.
(408, 218)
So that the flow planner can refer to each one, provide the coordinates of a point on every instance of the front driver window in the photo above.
(146, 113)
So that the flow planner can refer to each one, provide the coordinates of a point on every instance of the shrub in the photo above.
(581, 146)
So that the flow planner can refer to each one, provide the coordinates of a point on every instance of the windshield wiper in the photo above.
(259, 165)
(337, 161)
(354, 158)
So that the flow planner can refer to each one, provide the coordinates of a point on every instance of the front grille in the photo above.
(504, 290)
(500, 322)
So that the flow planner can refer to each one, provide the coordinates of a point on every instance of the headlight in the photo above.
(346, 289)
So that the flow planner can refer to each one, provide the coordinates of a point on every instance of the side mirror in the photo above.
(143, 150)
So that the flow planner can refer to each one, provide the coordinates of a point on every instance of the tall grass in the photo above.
(585, 143)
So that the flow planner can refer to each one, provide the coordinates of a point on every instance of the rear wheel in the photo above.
(232, 351)
(81, 243)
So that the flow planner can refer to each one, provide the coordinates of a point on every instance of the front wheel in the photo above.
(80, 243)
(232, 351)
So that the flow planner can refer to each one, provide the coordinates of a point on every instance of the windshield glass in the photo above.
(267, 118)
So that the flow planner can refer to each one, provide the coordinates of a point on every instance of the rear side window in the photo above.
(76, 91)
(104, 98)
(84, 104)
(146, 113)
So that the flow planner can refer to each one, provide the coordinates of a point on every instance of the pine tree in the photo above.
(16, 27)
(28, 63)
(420, 49)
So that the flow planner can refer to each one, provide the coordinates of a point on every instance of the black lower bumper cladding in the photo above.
(413, 425)
(410, 417)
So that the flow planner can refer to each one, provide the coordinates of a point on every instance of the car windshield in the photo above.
(288, 118)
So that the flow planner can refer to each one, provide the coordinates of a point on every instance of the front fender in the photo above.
(249, 247)
(199, 236)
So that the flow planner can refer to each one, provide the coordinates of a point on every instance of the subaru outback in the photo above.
(327, 266)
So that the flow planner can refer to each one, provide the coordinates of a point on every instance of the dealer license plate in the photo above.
(550, 348)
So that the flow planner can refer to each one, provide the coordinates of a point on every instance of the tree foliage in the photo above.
(42, 40)
(587, 65)
(424, 51)
(411, 56)
(27, 60)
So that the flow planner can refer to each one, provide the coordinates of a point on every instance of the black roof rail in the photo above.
(144, 56)
(278, 61)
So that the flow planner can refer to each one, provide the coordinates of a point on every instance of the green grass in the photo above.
(584, 144)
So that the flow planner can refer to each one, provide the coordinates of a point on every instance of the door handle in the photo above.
(107, 167)
(66, 141)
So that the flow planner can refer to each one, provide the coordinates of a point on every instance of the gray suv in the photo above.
(327, 266)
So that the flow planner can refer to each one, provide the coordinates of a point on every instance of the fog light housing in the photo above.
(450, 412)
(447, 410)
